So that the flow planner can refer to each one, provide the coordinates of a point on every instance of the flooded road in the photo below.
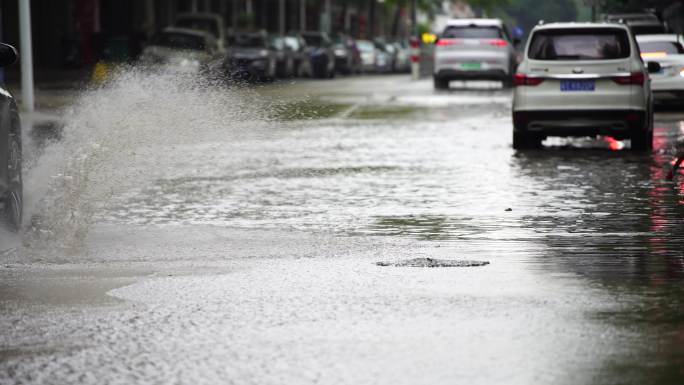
(236, 241)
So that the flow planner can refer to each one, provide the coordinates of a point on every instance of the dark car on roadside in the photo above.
(250, 57)
(285, 57)
(320, 52)
(11, 188)
(181, 51)
(297, 45)
(347, 55)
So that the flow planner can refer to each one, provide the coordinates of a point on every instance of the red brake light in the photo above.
(524, 80)
(498, 42)
(635, 78)
(447, 42)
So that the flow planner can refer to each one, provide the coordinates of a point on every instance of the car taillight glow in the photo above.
(635, 78)
(497, 42)
(650, 55)
(524, 80)
(447, 42)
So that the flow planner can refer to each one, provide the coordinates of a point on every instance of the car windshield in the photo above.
(292, 42)
(340, 39)
(365, 45)
(248, 41)
(278, 43)
(661, 48)
(579, 44)
(180, 41)
(207, 25)
(314, 40)
(471, 32)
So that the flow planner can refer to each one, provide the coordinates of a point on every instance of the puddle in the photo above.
(431, 262)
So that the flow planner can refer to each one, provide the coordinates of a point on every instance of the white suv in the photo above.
(582, 79)
(474, 49)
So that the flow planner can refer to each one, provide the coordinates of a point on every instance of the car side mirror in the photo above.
(653, 67)
(8, 55)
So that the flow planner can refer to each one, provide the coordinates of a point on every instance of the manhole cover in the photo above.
(430, 262)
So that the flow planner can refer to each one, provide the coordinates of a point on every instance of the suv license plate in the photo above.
(471, 66)
(577, 85)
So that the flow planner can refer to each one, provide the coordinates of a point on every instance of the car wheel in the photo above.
(289, 72)
(13, 201)
(525, 141)
(440, 83)
(642, 140)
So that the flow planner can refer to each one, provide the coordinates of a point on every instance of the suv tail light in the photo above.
(497, 42)
(447, 42)
(635, 78)
(524, 80)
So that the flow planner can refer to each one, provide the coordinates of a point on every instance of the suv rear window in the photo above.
(472, 32)
(579, 44)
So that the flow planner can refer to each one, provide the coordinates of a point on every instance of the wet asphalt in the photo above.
(246, 250)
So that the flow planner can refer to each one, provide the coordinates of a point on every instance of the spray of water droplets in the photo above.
(102, 150)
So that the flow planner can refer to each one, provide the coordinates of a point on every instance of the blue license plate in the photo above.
(577, 85)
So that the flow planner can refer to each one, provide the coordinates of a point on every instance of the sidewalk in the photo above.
(54, 91)
(54, 88)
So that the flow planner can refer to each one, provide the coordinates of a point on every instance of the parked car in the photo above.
(402, 63)
(180, 50)
(386, 57)
(11, 188)
(582, 79)
(668, 51)
(347, 56)
(297, 46)
(285, 57)
(207, 22)
(644, 23)
(250, 57)
(321, 56)
(368, 54)
(474, 49)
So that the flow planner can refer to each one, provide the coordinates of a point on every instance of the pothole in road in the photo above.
(430, 262)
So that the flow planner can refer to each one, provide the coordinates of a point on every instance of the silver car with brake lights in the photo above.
(474, 49)
(582, 79)
(668, 51)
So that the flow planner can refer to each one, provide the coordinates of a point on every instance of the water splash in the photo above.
(106, 146)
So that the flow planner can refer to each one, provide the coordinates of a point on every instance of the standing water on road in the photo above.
(197, 233)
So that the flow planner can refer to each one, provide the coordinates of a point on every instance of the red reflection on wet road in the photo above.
(614, 144)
